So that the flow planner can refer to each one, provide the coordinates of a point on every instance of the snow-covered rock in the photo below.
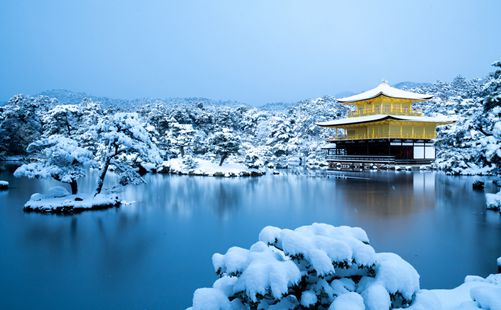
(493, 201)
(4, 185)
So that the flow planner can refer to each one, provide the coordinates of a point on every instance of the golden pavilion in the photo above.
(383, 128)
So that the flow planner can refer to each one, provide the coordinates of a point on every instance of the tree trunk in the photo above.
(74, 187)
(104, 169)
(223, 157)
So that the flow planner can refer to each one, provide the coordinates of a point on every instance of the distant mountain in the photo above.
(277, 106)
(65, 96)
(345, 93)
(411, 85)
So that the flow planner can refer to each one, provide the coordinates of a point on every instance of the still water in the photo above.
(153, 253)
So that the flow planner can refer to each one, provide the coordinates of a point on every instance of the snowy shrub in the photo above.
(59, 158)
(312, 267)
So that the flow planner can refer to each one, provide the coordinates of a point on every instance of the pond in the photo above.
(154, 252)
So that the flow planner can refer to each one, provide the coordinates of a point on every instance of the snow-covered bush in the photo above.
(312, 267)
(59, 158)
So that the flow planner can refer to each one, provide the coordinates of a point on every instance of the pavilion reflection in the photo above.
(387, 194)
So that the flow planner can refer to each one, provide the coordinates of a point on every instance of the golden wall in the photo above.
(389, 129)
(384, 105)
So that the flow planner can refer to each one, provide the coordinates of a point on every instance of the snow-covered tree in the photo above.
(21, 122)
(59, 158)
(312, 267)
(126, 145)
(472, 145)
(492, 89)
(181, 136)
(224, 143)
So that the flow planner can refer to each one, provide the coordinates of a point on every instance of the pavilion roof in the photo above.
(385, 89)
(380, 117)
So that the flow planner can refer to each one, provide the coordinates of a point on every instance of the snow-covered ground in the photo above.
(59, 201)
(208, 168)
(321, 266)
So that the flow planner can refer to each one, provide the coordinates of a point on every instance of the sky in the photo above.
(255, 52)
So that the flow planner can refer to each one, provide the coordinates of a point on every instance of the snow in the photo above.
(59, 200)
(376, 297)
(378, 117)
(208, 168)
(233, 262)
(493, 201)
(210, 299)
(487, 297)
(396, 275)
(475, 292)
(386, 90)
(498, 261)
(351, 300)
(266, 272)
(308, 299)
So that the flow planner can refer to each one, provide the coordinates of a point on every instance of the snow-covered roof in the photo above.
(379, 117)
(386, 90)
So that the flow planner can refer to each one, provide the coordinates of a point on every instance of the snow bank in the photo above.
(202, 167)
(59, 201)
(475, 293)
(4, 185)
(315, 266)
(493, 201)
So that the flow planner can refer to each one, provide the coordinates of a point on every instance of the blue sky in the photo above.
(252, 51)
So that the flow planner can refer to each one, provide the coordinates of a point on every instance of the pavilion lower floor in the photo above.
(395, 150)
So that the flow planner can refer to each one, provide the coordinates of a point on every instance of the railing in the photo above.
(360, 158)
(370, 136)
(357, 113)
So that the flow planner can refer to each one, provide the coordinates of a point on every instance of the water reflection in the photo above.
(153, 252)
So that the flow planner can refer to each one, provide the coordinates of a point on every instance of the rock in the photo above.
(497, 182)
(4, 185)
(218, 174)
(478, 185)
(256, 173)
